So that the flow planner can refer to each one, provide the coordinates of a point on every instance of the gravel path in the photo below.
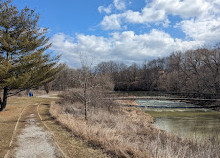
(47, 96)
(33, 142)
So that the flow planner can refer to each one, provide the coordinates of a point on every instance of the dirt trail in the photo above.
(33, 141)
(47, 96)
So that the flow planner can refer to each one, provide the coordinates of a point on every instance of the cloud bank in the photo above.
(199, 22)
(125, 47)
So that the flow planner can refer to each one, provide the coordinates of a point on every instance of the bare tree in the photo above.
(67, 79)
(85, 79)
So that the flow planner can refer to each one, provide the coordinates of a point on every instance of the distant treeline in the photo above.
(195, 72)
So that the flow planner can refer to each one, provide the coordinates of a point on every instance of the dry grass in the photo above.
(127, 102)
(126, 132)
(72, 146)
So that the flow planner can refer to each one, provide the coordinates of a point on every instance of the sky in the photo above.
(126, 30)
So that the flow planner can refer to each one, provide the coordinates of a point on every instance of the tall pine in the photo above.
(24, 64)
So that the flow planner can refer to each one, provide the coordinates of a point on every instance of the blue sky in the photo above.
(126, 30)
(67, 16)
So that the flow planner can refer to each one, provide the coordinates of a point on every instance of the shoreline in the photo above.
(124, 131)
(213, 104)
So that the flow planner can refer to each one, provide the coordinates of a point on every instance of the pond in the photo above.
(184, 119)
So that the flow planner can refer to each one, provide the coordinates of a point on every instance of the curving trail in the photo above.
(33, 140)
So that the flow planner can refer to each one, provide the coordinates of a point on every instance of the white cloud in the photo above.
(185, 8)
(119, 4)
(126, 46)
(203, 30)
(158, 10)
(146, 16)
(200, 19)
(103, 9)
(64, 44)
(112, 22)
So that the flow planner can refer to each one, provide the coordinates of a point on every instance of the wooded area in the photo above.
(194, 73)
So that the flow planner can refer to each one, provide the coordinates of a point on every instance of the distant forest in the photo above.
(195, 72)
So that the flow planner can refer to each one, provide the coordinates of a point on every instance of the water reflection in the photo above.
(186, 120)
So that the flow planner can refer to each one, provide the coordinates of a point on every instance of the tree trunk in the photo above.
(0, 104)
(4, 101)
(46, 87)
(85, 100)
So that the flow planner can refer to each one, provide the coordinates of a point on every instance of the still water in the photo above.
(183, 119)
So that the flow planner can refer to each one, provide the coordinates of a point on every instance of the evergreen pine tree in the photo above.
(24, 62)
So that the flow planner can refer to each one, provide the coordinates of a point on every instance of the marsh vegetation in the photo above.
(125, 131)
